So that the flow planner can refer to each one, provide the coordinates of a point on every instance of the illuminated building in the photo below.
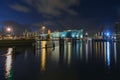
(72, 34)
(67, 34)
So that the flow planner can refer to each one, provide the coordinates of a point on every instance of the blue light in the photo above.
(108, 55)
(63, 35)
(107, 34)
(77, 35)
(73, 35)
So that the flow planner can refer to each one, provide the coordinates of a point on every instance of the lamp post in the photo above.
(9, 31)
(43, 29)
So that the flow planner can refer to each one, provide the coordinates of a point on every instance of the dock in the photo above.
(16, 42)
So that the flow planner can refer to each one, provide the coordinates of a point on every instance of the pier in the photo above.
(16, 42)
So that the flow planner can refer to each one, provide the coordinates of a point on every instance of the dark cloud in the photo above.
(46, 23)
(53, 7)
(49, 25)
(20, 8)
(118, 11)
(68, 14)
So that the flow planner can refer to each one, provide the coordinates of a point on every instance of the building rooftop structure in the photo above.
(69, 34)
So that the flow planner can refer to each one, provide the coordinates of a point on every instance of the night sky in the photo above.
(91, 15)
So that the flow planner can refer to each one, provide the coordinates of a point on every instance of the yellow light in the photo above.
(43, 27)
(43, 57)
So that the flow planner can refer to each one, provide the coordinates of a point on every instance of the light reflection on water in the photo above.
(86, 48)
(8, 62)
(70, 54)
(81, 50)
(101, 50)
(108, 55)
(105, 50)
(115, 53)
(43, 57)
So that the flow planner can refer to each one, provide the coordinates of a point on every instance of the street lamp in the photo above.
(43, 27)
(43, 31)
(8, 29)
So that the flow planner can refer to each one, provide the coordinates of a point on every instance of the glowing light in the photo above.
(73, 35)
(77, 35)
(8, 29)
(81, 36)
(108, 34)
(43, 27)
(86, 33)
(63, 35)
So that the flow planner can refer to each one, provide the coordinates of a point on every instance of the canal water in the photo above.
(75, 60)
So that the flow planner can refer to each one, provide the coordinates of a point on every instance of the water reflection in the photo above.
(76, 55)
(43, 56)
(38, 47)
(77, 50)
(81, 50)
(90, 47)
(55, 54)
(49, 47)
(105, 52)
(69, 54)
(8, 63)
(115, 53)
(61, 52)
(96, 48)
(26, 54)
(86, 50)
(108, 55)
(102, 50)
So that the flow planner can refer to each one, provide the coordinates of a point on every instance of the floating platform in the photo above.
(16, 42)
